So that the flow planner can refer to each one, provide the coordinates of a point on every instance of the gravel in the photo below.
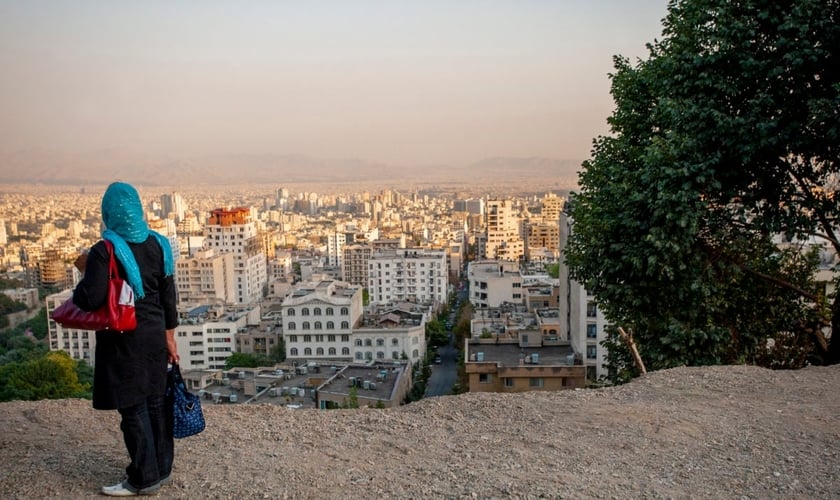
(716, 432)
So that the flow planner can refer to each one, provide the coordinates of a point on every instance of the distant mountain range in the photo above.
(104, 166)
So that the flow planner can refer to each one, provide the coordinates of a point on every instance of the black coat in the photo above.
(130, 366)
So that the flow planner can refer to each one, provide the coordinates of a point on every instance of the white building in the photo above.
(335, 248)
(79, 344)
(416, 275)
(494, 282)
(392, 332)
(580, 319)
(206, 335)
(318, 320)
(233, 231)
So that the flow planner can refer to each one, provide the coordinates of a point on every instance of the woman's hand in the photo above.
(172, 347)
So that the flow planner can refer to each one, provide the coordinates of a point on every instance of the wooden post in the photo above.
(628, 339)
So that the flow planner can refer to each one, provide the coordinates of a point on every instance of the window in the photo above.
(395, 342)
(359, 342)
(591, 331)
(415, 354)
(307, 351)
(380, 342)
(318, 325)
(591, 310)
(304, 311)
(330, 338)
(345, 324)
(331, 351)
(535, 382)
(290, 312)
(345, 338)
(591, 352)
(305, 325)
(345, 351)
(380, 355)
(483, 378)
(307, 338)
(319, 351)
(316, 311)
(395, 355)
(508, 382)
(293, 351)
(360, 356)
(345, 311)
(292, 325)
(331, 326)
(292, 338)
(330, 311)
(368, 342)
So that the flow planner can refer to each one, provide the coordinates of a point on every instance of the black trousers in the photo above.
(147, 432)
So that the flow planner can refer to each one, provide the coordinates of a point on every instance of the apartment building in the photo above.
(382, 385)
(206, 335)
(494, 282)
(416, 275)
(508, 367)
(318, 320)
(234, 231)
(502, 229)
(354, 269)
(581, 320)
(79, 344)
(207, 276)
(392, 332)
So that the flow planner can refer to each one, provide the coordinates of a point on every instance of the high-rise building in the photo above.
(355, 266)
(233, 231)
(503, 233)
(206, 276)
(4, 240)
(172, 206)
(335, 248)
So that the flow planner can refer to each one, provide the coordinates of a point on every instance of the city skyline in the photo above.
(414, 83)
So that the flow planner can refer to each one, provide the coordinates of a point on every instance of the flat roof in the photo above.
(510, 354)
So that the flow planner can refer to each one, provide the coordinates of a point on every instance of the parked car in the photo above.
(437, 360)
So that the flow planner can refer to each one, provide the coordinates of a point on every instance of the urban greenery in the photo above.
(702, 218)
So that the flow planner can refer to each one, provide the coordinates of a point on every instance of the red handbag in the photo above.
(116, 314)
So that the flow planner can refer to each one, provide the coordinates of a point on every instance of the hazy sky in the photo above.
(404, 82)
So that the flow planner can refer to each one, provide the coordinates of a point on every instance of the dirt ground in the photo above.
(720, 432)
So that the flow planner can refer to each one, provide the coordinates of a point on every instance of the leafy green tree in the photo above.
(723, 158)
(353, 398)
(245, 360)
(278, 352)
(52, 376)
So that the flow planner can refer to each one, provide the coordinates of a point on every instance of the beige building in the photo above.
(354, 268)
(234, 231)
(207, 276)
(507, 367)
(502, 230)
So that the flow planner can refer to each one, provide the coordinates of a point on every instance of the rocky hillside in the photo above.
(722, 432)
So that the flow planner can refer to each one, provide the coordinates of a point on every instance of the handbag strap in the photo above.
(112, 260)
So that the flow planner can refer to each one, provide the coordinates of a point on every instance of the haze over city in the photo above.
(400, 84)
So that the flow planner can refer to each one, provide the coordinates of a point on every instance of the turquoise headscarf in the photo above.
(122, 213)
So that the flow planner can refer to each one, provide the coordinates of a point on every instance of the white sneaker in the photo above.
(123, 489)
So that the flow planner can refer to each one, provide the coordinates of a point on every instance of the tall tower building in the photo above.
(502, 229)
(4, 240)
(233, 230)
(173, 204)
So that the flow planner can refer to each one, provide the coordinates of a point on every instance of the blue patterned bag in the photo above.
(188, 418)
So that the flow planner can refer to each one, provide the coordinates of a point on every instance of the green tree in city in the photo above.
(278, 352)
(245, 360)
(52, 376)
(723, 157)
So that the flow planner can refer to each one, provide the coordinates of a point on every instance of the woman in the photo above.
(130, 367)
